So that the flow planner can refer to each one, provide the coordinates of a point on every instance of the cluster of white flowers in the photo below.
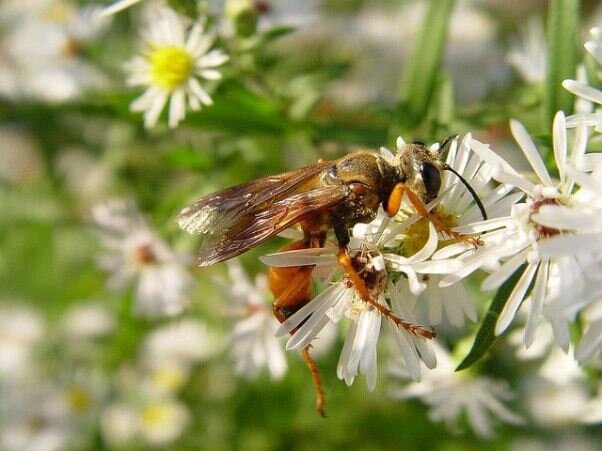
(547, 232)
(146, 406)
(42, 50)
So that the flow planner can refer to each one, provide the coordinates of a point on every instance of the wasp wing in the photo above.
(239, 218)
(220, 211)
(259, 224)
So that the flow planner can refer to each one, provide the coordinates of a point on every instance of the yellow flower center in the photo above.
(156, 414)
(170, 66)
(169, 379)
(418, 233)
(78, 399)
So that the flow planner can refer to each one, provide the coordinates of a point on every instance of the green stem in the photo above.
(421, 72)
(563, 30)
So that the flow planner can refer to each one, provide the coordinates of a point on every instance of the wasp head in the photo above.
(420, 169)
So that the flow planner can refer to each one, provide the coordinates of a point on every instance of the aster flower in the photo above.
(183, 343)
(583, 221)
(20, 330)
(456, 208)
(451, 395)
(519, 237)
(87, 322)
(43, 47)
(176, 56)
(135, 254)
(341, 301)
(252, 343)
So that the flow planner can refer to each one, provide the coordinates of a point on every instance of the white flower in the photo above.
(518, 238)
(252, 343)
(452, 394)
(88, 321)
(175, 57)
(118, 424)
(528, 56)
(44, 51)
(162, 421)
(135, 253)
(20, 330)
(185, 342)
(455, 208)
(559, 395)
(341, 300)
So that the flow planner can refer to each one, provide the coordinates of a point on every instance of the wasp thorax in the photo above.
(420, 170)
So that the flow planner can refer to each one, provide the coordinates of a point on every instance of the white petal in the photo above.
(497, 278)
(537, 299)
(583, 90)
(560, 245)
(560, 142)
(301, 257)
(515, 299)
(528, 146)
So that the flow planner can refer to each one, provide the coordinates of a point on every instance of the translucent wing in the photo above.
(260, 224)
(219, 211)
(239, 218)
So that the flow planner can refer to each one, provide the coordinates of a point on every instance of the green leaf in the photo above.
(563, 30)
(486, 335)
(421, 72)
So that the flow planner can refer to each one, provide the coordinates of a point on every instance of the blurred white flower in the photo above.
(134, 253)
(253, 345)
(118, 424)
(43, 47)
(559, 395)
(176, 56)
(38, 415)
(21, 328)
(528, 55)
(161, 422)
(451, 395)
(155, 422)
(183, 342)
(88, 321)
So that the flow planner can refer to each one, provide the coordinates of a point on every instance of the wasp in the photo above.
(322, 197)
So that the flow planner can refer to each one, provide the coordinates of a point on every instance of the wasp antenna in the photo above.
(470, 189)
(446, 143)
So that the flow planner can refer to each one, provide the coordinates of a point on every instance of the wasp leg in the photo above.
(291, 288)
(395, 202)
(315, 378)
(345, 261)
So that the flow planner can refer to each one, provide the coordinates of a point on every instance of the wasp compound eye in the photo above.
(431, 177)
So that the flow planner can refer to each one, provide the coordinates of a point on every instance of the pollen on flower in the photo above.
(144, 255)
(417, 234)
(543, 231)
(170, 66)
